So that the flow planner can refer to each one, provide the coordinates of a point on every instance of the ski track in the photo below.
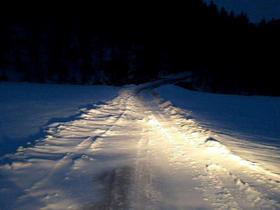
(134, 152)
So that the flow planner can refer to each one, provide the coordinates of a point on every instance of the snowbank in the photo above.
(248, 125)
(25, 109)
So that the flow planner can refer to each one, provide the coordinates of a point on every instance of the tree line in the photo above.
(118, 43)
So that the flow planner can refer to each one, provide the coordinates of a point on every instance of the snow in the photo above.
(137, 151)
(249, 125)
(26, 109)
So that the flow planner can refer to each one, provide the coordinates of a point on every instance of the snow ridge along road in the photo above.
(136, 151)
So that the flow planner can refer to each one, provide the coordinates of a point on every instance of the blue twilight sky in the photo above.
(256, 9)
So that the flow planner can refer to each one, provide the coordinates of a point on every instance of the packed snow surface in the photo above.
(139, 151)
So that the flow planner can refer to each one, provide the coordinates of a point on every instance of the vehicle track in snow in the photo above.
(136, 151)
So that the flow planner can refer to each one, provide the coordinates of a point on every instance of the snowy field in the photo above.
(26, 109)
(248, 125)
(145, 148)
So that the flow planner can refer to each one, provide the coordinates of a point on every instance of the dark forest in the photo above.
(134, 43)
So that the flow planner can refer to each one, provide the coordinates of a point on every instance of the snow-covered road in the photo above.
(136, 151)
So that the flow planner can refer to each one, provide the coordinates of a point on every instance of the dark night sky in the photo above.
(256, 9)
